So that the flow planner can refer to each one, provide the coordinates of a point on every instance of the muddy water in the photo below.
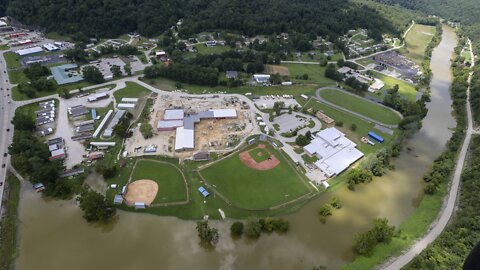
(53, 235)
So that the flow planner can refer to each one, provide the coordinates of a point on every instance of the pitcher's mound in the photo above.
(141, 191)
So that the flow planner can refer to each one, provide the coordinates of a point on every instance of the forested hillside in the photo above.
(110, 18)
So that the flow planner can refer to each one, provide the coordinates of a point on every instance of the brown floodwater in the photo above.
(53, 234)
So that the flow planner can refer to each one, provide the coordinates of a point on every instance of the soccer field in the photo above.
(254, 189)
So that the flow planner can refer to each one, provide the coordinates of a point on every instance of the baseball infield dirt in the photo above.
(268, 164)
(141, 191)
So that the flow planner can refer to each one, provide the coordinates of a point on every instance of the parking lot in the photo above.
(288, 122)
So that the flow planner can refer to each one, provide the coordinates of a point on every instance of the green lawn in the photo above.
(249, 188)
(202, 49)
(295, 90)
(406, 89)
(17, 96)
(4, 47)
(132, 90)
(347, 119)
(12, 59)
(9, 224)
(17, 76)
(361, 106)
(316, 73)
(259, 154)
(309, 159)
(171, 187)
(417, 41)
(57, 36)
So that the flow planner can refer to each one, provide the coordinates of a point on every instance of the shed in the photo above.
(140, 205)
(174, 114)
(118, 199)
(203, 191)
(231, 74)
(201, 156)
(376, 137)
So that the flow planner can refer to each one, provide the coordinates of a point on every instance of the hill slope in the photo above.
(151, 17)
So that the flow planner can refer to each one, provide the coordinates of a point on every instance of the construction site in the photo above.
(184, 126)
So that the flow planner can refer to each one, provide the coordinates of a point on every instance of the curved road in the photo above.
(448, 210)
(368, 119)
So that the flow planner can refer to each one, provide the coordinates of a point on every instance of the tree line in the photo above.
(151, 17)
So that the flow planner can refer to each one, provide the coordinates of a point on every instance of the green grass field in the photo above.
(171, 187)
(132, 90)
(12, 59)
(361, 106)
(249, 188)
(17, 76)
(9, 225)
(295, 90)
(417, 41)
(202, 49)
(17, 96)
(259, 154)
(4, 47)
(362, 127)
(406, 89)
(316, 73)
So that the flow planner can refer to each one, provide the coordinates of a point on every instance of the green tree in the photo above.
(236, 230)
(95, 206)
(364, 243)
(92, 74)
(253, 229)
(23, 121)
(208, 235)
(325, 210)
(336, 202)
(353, 127)
(128, 69)
(146, 130)
(116, 71)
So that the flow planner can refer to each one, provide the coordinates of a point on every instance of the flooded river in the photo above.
(53, 234)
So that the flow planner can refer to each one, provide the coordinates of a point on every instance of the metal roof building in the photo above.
(184, 139)
(129, 100)
(174, 114)
(62, 75)
(169, 125)
(28, 51)
(116, 118)
(334, 151)
(127, 106)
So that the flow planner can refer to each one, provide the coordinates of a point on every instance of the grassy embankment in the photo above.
(361, 106)
(8, 226)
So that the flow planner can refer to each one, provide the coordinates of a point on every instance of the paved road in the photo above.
(448, 210)
(368, 119)
(6, 113)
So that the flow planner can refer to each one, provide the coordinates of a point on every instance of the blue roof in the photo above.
(375, 136)
(61, 75)
(203, 191)
(94, 113)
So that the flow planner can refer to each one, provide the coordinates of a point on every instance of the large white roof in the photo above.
(184, 139)
(334, 151)
(224, 113)
(174, 114)
(35, 49)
